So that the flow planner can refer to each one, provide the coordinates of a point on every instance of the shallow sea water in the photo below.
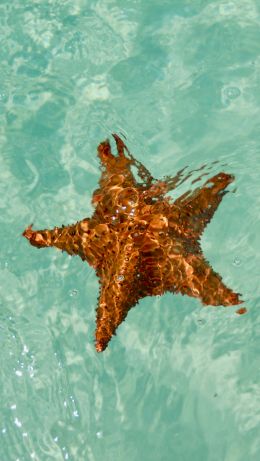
(181, 80)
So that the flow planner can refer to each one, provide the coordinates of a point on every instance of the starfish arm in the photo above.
(142, 171)
(74, 239)
(194, 210)
(120, 164)
(114, 304)
(118, 293)
(114, 164)
(116, 174)
(182, 176)
(192, 275)
(119, 190)
(160, 187)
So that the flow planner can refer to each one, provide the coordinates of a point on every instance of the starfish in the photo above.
(139, 241)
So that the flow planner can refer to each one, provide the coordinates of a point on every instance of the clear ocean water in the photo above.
(181, 80)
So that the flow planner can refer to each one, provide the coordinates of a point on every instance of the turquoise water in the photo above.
(181, 80)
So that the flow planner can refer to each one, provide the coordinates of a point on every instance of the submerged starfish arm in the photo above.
(74, 239)
(143, 172)
(118, 292)
(114, 167)
(168, 262)
(194, 210)
(116, 170)
(192, 275)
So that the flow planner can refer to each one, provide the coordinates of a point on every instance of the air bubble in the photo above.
(120, 278)
(73, 292)
(229, 94)
(3, 97)
(232, 92)
(201, 321)
(237, 262)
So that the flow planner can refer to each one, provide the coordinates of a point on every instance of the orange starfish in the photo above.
(140, 242)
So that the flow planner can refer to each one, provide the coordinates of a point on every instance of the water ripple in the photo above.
(181, 80)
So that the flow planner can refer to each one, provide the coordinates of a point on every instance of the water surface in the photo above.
(181, 81)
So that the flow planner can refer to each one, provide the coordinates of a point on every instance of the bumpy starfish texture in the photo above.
(140, 242)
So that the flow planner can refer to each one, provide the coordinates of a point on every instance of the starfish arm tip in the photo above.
(241, 311)
(100, 345)
(27, 233)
